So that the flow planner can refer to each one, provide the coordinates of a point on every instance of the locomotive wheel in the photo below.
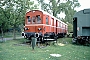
(74, 41)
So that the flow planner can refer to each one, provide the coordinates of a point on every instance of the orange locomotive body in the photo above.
(42, 23)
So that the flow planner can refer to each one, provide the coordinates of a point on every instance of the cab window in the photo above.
(38, 19)
(28, 18)
(33, 19)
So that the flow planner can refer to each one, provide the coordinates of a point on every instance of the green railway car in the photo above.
(81, 27)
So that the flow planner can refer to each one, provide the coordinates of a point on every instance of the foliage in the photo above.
(13, 12)
(56, 6)
(69, 9)
(70, 27)
(52, 7)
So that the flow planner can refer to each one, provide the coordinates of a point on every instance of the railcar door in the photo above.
(75, 26)
(56, 27)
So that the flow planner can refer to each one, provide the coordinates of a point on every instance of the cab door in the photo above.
(75, 26)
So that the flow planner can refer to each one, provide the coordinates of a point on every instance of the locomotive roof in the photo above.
(44, 12)
(85, 11)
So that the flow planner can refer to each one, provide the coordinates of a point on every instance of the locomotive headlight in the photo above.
(23, 33)
(39, 28)
(26, 28)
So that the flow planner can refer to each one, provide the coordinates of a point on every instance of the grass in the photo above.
(13, 50)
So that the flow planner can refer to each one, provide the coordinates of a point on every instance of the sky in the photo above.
(84, 5)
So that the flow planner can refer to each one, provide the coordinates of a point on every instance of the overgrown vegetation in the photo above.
(15, 50)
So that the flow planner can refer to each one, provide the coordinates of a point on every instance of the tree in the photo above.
(69, 9)
(14, 11)
(52, 7)
(3, 19)
(57, 6)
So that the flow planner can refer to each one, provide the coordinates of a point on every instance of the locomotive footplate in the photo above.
(47, 38)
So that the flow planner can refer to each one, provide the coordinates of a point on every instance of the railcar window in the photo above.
(47, 20)
(60, 24)
(64, 26)
(29, 19)
(86, 11)
(33, 19)
(51, 21)
(38, 19)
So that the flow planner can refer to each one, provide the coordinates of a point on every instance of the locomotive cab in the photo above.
(81, 27)
(33, 24)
